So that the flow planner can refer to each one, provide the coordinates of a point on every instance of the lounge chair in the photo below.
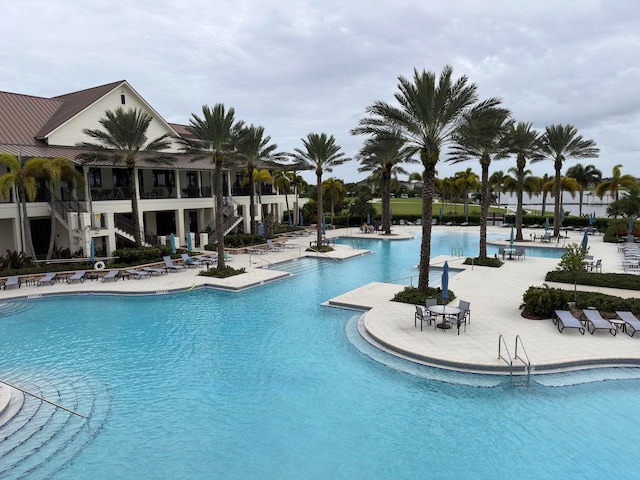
(567, 320)
(595, 320)
(153, 271)
(49, 278)
(207, 260)
(76, 277)
(273, 247)
(546, 238)
(257, 250)
(631, 323)
(137, 274)
(190, 262)
(227, 257)
(111, 275)
(12, 282)
(170, 266)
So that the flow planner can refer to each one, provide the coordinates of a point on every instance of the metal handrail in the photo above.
(44, 399)
(530, 367)
(501, 342)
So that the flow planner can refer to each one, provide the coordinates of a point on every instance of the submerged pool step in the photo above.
(45, 438)
(14, 307)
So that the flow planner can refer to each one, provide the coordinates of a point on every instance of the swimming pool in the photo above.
(266, 384)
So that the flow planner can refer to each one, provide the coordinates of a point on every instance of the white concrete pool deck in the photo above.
(495, 295)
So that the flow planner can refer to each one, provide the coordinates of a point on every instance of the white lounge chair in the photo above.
(595, 320)
(190, 262)
(49, 278)
(137, 274)
(170, 266)
(273, 247)
(76, 277)
(631, 323)
(565, 319)
(153, 271)
(12, 282)
(111, 275)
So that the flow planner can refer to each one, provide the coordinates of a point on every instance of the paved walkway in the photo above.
(495, 295)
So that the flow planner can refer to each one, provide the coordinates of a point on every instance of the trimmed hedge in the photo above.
(415, 297)
(542, 301)
(484, 262)
(607, 304)
(614, 280)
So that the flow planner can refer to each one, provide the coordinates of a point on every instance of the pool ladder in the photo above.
(506, 357)
(457, 252)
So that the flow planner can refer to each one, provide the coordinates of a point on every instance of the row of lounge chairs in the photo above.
(594, 321)
(631, 259)
(271, 246)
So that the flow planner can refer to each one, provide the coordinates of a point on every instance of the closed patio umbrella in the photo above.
(511, 238)
(173, 243)
(630, 225)
(585, 241)
(592, 218)
(368, 219)
(546, 224)
(561, 216)
(301, 219)
(444, 282)
(189, 244)
(92, 251)
(324, 225)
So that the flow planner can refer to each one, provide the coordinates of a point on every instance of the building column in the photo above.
(181, 233)
(110, 225)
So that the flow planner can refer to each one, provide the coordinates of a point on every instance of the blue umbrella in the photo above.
(546, 224)
(630, 225)
(592, 218)
(511, 239)
(290, 221)
(301, 222)
(324, 225)
(585, 241)
(189, 244)
(368, 219)
(390, 214)
(92, 251)
(561, 216)
(173, 244)
(444, 282)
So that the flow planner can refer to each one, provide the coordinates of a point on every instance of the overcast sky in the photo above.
(297, 67)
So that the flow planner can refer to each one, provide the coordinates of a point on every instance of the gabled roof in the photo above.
(21, 116)
(74, 103)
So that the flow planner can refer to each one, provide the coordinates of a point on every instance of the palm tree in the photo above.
(381, 154)
(545, 191)
(429, 111)
(560, 143)
(124, 141)
(298, 183)
(253, 152)
(522, 141)
(215, 137)
(320, 153)
(479, 136)
(466, 181)
(586, 176)
(617, 182)
(258, 177)
(24, 178)
(282, 180)
(56, 170)
(496, 182)
(336, 191)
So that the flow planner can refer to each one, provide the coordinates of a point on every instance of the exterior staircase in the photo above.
(231, 221)
(124, 227)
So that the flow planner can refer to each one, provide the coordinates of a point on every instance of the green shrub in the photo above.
(484, 262)
(239, 240)
(133, 256)
(542, 301)
(607, 304)
(627, 281)
(222, 273)
(619, 228)
(415, 297)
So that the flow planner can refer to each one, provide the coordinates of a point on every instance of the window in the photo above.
(192, 179)
(164, 178)
(122, 99)
(95, 178)
(120, 178)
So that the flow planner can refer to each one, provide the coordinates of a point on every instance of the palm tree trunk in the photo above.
(219, 214)
(252, 204)
(52, 234)
(428, 190)
(386, 200)
(28, 239)
(544, 203)
(484, 208)
(581, 196)
(556, 213)
(521, 165)
(319, 211)
(137, 231)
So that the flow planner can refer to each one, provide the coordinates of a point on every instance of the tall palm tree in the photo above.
(466, 181)
(215, 137)
(321, 153)
(298, 183)
(58, 170)
(479, 136)
(336, 191)
(124, 142)
(586, 176)
(560, 143)
(615, 183)
(24, 178)
(382, 153)
(496, 182)
(254, 151)
(429, 111)
(282, 180)
(545, 191)
(521, 141)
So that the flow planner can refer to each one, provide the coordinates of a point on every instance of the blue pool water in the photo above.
(265, 384)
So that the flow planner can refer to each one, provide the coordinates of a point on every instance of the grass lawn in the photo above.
(413, 206)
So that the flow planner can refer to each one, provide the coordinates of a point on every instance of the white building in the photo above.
(177, 199)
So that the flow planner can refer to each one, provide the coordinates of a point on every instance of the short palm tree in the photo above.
(282, 181)
(586, 176)
(298, 183)
(336, 191)
(428, 114)
(617, 182)
(254, 152)
(321, 153)
(24, 178)
(123, 141)
(496, 183)
(215, 136)
(58, 170)
(560, 143)
(466, 181)
(382, 153)
(479, 137)
(521, 141)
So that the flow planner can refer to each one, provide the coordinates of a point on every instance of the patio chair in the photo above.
(190, 262)
(422, 316)
(227, 257)
(430, 302)
(631, 323)
(564, 319)
(595, 320)
(49, 278)
(137, 274)
(111, 275)
(12, 282)
(77, 277)
(153, 271)
(461, 318)
(466, 308)
(501, 252)
(520, 253)
(170, 266)
(596, 266)
(273, 247)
